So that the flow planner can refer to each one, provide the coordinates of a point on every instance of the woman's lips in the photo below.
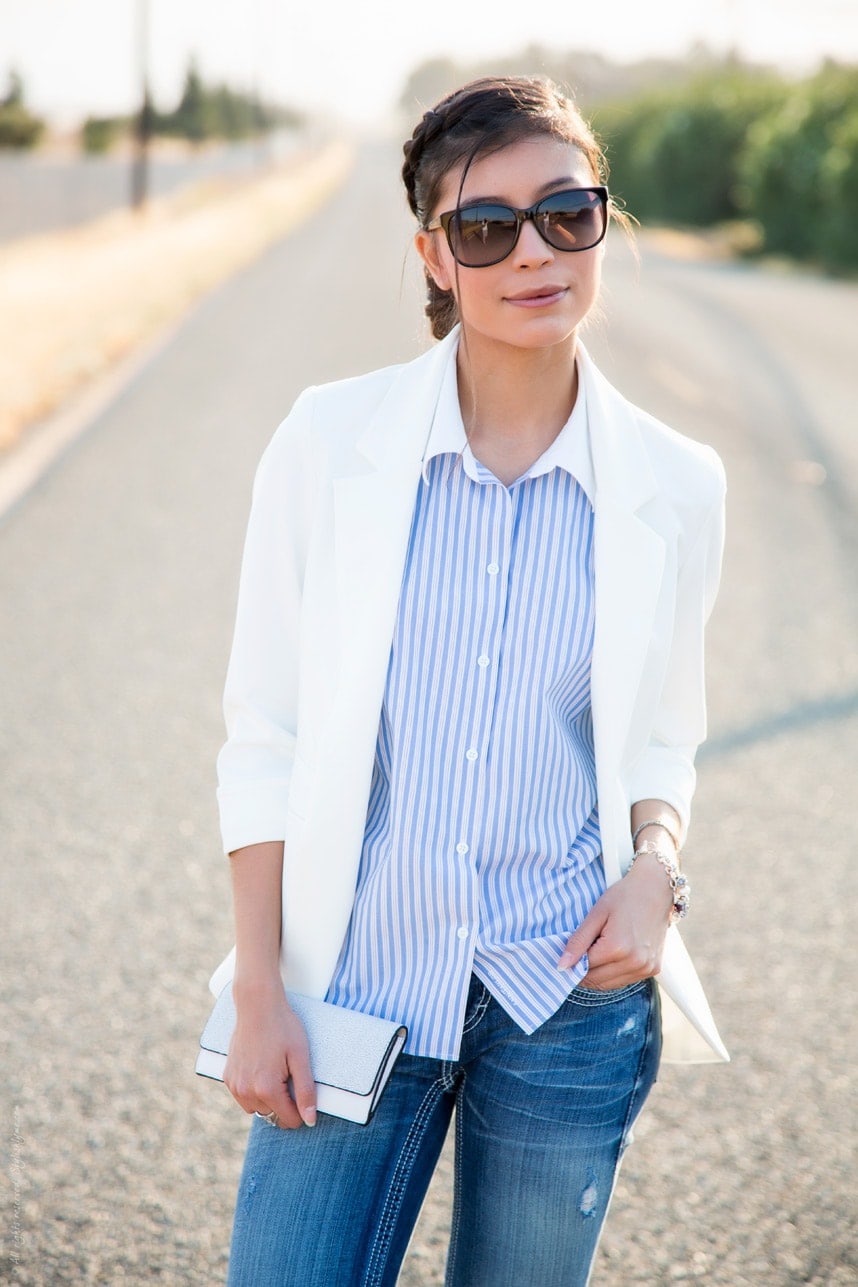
(538, 297)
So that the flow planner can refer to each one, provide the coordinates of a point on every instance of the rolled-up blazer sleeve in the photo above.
(666, 770)
(261, 691)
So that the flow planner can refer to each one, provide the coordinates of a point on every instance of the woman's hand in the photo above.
(269, 1045)
(267, 1051)
(623, 934)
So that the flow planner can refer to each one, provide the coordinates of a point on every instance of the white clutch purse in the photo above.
(351, 1054)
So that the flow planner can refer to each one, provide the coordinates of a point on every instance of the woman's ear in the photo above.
(429, 249)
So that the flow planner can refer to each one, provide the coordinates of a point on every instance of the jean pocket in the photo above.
(606, 996)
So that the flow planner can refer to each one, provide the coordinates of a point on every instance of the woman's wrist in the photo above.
(680, 890)
(257, 987)
(660, 830)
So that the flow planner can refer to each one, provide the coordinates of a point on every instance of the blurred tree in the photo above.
(99, 133)
(590, 77)
(206, 112)
(19, 128)
(794, 168)
(675, 153)
(428, 83)
(195, 116)
(839, 179)
(14, 91)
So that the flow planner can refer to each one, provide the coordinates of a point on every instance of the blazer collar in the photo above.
(399, 430)
(401, 424)
(621, 464)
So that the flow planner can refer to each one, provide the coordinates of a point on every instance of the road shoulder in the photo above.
(90, 306)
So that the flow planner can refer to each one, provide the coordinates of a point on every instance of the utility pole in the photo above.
(143, 123)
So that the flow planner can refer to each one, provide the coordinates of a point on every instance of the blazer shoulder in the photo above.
(682, 462)
(328, 422)
(341, 409)
(357, 395)
(644, 450)
(327, 417)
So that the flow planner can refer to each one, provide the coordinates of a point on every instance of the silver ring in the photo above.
(269, 1117)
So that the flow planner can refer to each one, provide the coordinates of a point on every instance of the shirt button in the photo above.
(462, 932)
(484, 661)
(493, 569)
(461, 847)
(471, 754)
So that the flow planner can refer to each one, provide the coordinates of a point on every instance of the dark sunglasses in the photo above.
(484, 233)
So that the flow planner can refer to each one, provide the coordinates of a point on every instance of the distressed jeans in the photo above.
(541, 1124)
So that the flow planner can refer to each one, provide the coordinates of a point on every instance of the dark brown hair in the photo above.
(483, 117)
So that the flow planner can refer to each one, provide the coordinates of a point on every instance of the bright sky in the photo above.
(79, 56)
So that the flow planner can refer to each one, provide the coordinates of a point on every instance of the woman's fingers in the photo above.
(279, 1101)
(584, 937)
(303, 1091)
(301, 1086)
(268, 1067)
(623, 934)
(265, 1095)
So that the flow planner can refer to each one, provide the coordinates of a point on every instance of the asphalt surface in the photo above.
(117, 580)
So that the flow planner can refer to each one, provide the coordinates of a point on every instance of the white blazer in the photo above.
(323, 564)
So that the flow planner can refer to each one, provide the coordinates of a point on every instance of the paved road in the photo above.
(117, 580)
(43, 193)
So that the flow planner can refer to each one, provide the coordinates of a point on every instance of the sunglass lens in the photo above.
(482, 235)
(572, 220)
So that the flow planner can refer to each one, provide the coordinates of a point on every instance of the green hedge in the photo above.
(743, 145)
(674, 154)
(99, 133)
(839, 183)
(18, 127)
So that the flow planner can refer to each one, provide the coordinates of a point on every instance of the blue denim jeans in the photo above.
(541, 1125)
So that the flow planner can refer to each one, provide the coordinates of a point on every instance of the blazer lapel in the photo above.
(373, 511)
(629, 560)
(629, 563)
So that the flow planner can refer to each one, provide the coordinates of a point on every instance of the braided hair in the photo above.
(484, 116)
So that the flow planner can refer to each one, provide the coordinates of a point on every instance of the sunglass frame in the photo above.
(445, 222)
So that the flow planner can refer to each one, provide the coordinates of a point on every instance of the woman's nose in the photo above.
(531, 248)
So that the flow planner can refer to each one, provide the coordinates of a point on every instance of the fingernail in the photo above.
(564, 963)
(309, 1116)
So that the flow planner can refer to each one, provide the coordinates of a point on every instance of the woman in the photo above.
(463, 702)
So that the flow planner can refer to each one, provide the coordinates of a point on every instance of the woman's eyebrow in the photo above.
(553, 185)
(566, 182)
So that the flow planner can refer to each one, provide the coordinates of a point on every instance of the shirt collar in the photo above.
(570, 449)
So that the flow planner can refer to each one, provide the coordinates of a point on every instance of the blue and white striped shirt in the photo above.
(481, 851)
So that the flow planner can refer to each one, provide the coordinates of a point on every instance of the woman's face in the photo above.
(538, 296)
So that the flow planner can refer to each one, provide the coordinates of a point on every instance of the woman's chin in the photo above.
(532, 332)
